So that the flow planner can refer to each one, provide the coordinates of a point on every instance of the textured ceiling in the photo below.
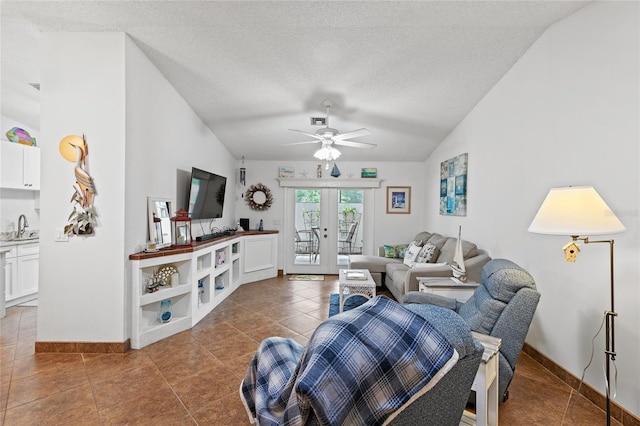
(407, 71)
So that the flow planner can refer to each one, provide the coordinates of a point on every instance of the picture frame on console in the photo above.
(398, 199)
(160, 211)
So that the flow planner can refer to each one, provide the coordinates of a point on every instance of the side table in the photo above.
(363, 287)
(485, 384)
(448, 287)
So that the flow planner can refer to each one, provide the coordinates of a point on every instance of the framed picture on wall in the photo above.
(369, 172)
(453, 186)
(286, 172)
(399, 199)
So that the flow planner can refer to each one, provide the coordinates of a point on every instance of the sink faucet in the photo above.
(23, 224)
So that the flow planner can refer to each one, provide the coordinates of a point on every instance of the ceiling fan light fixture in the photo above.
(327, 153)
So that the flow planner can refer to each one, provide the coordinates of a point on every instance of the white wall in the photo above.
(165, 139)
(143, 140)
(16, 202)
(565, 114)
(389, 228)
(83, 91)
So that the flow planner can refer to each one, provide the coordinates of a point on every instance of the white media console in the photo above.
(208, 272)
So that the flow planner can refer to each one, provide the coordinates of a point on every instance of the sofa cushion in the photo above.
(449, 248)
(428, 253)
(423, 236)
(397, 272)
(437, 240)
(372, 263)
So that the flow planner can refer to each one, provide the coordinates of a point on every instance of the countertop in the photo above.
(10, 243)
(6, 241)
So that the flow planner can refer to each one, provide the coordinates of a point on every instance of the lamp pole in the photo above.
(610, 344)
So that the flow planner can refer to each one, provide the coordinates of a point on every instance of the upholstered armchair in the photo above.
(502, 306)
(368, 365)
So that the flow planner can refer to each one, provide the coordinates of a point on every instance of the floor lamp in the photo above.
(579, 212)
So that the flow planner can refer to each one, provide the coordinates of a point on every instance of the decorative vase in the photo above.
(219, 283)
(165, 313)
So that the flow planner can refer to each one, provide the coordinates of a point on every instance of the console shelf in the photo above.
(208, 272)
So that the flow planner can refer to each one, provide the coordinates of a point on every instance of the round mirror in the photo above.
(259, 197)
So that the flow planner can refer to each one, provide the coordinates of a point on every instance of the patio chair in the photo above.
(347, 239)
(305, 243)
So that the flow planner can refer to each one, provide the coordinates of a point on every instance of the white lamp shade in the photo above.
(575, 210)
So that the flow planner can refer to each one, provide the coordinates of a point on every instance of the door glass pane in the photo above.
(307, 222)
(350, 211)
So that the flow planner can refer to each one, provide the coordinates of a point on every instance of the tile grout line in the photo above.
(93, 395)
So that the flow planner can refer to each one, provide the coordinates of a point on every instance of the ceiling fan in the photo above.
(328, 136)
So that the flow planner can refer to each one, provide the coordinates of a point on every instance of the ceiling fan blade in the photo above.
(356, 144)
(352, 134)
(308, 134)
(301, 143)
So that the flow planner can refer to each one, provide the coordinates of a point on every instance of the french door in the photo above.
(323, 226)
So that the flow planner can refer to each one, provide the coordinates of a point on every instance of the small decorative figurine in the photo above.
(154, 284)
(21, 136)
(571, 250)
(335, 172)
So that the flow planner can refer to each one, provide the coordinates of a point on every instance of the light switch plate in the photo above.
(60, 236)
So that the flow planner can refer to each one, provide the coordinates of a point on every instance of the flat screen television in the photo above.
(206, 194)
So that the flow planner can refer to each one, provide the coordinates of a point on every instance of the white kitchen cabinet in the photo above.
(10, 274)
(21, 273)
(20, 167)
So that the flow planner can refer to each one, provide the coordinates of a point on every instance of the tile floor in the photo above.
(193, 377)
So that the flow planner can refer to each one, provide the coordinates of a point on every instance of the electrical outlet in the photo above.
(60, 236)
(276, 222)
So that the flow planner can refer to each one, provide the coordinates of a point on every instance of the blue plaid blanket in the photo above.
(359, 367)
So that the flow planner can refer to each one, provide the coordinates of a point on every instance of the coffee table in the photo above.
(349, 287)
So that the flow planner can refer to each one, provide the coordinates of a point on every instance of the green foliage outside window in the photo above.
(307, 196)
(351, 196)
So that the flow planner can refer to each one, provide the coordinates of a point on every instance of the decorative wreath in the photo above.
(259, 188)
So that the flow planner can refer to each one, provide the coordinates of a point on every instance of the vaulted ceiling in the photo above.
(407, 71)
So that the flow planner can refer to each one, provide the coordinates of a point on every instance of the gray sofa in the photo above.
(401, 279)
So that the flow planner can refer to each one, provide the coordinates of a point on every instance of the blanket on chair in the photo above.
(359, 367)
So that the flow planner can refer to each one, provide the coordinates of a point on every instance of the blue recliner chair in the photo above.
(358, 366)
(502, 306)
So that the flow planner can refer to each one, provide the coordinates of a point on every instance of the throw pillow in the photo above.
(390, 251)
(428, 254)
(401, 250)
(411, 254)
